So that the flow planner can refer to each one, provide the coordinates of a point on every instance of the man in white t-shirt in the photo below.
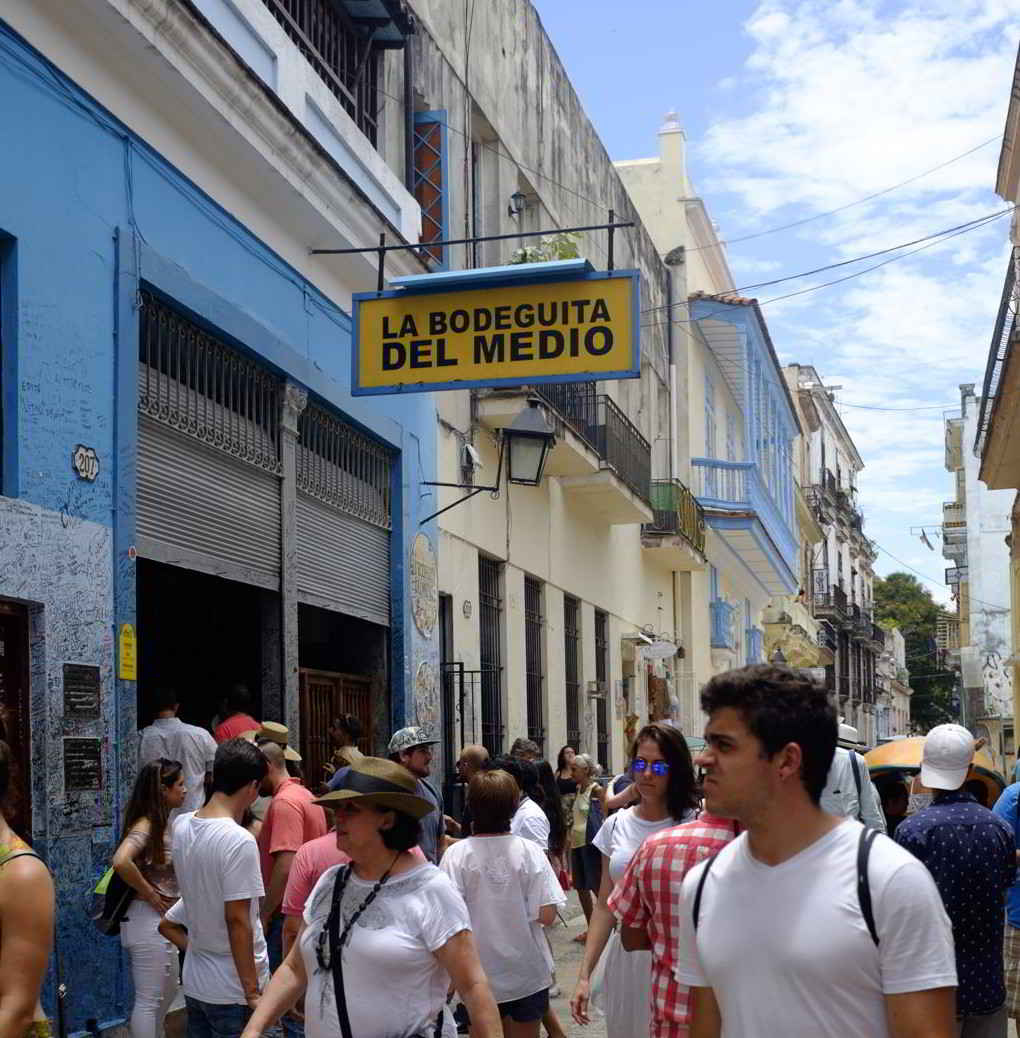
(529, 820)
(217, 918)
(773, 936)
(169, 737)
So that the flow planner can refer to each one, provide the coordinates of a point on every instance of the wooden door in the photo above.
(324, 696)
(14, 713)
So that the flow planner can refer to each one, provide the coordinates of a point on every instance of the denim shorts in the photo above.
(525, 1010)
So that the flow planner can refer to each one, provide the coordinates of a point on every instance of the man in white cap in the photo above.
(970, 854)
(412, 747)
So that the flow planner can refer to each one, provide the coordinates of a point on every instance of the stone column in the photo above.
(293, 402)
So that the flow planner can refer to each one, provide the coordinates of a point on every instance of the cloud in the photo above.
(841, 99)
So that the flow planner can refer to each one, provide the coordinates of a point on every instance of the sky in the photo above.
(791, 110)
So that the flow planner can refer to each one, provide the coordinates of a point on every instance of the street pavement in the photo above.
(568, 954)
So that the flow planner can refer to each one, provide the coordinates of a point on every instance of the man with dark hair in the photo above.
(217, 917)
(525, 749)
(529, 819)
(169, 737)
(238, 719)
(805, 924)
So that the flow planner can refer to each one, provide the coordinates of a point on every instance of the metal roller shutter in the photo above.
(200, 500)
(343, 563)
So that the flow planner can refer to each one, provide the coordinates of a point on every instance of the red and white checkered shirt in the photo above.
(648, 897)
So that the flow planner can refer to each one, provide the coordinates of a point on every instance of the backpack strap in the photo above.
(867, 838)
(857, 782)
(701, 887)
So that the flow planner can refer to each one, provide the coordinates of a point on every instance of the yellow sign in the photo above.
(585, 328)
(128, 669)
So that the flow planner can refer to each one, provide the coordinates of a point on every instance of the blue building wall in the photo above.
(87, 212)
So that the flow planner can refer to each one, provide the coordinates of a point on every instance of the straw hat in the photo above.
(273, 731)
(383, 783)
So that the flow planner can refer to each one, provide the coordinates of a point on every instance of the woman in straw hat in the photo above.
(382, 938)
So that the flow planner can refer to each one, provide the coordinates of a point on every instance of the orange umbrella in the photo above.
(905, 755)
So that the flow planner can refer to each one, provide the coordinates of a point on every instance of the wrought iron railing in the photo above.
(597, 420)
(343, 57)
(721, 613)
(676, 512)
(534, 675)
(1002, 343)
(830, 603)
(602, 679)
(877, 634)
(194, 382)
(755, 641)
(490, 623)
(343, 467)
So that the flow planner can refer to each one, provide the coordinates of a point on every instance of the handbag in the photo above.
(110, 901)
(337, 966)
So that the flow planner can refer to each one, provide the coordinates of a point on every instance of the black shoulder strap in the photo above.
(701, 887)
(863, 883)
(336, 953)
(857, 783)
(19, 854)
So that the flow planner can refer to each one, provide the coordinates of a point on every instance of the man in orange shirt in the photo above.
(292, 820)
(238, 720)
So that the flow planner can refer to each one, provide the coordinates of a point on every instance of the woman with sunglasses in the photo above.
(382, 938)
(621, 986)
(143, 861)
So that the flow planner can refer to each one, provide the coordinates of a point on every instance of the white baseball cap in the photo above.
(945, 760)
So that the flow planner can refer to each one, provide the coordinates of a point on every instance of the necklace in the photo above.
(334, 914)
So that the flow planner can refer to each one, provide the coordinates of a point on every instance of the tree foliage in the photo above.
(901, 600)
(561, 246)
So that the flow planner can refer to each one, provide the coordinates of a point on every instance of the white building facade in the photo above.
(976, 525)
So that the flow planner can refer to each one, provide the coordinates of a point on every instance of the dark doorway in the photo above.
(199, 634)
(14, 714)
(343, 670)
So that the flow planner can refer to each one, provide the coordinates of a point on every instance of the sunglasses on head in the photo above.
(657, 767)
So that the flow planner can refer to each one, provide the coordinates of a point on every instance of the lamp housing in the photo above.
(529, 439)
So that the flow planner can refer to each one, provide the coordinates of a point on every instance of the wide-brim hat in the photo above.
(273, 731)
(382, 783)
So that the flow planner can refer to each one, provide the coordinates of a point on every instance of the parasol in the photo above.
(904, 755)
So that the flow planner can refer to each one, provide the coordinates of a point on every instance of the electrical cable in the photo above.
(932, 580)
(931, 239)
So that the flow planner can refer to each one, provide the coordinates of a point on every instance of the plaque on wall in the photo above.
(83, 764)
(81, 690)
(424, 585)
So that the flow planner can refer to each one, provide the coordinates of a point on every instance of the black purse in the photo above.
(336, 958)
(110, 903)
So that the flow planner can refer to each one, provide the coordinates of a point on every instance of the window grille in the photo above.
(571, 644)
(194, 382)
(343, 467)
(602, 679)
(533, 663)
(431, 176)
(343, 58)
(490, 623)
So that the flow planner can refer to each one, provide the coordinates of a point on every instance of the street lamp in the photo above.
(529, 438)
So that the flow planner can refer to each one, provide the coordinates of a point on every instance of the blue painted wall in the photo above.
(86, 208)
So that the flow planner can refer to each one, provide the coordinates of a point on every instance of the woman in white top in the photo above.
(144, 862)
(511, 892)
(390, 931)
(666, 789)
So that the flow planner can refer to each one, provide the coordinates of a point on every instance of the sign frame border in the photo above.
(493, 282)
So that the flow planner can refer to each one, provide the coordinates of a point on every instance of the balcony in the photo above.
(954, 545)
(877, 637)
(723, 633)
(600, 456)
(830, 605)
(676, 536)
(860, 617)
(755, 642)
(743, 512)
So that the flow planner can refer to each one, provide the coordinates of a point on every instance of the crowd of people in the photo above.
(750, 891)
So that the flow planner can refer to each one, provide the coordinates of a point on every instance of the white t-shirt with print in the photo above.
(393, 982)
(216, 861)
(505, 880)
(787, 951)
(530, 821)
(621, 834)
